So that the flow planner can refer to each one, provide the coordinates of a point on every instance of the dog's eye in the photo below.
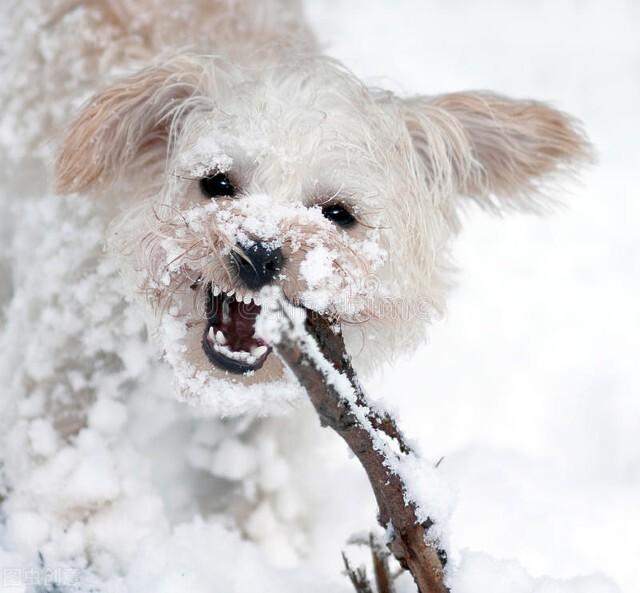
(217, 185)
(339, 214)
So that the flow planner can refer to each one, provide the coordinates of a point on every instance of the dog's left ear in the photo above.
(126, 125)
(500, 151)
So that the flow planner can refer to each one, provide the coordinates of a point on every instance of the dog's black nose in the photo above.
(258, 265)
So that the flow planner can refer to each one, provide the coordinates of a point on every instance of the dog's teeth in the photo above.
(247, 299)
(216, 291)
(220, 337)
(239, 297)
(223, 349)
(210, 335)
(240, 355)
(230, 293)
(259, 351)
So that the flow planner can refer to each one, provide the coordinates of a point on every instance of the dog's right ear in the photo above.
(126, 124)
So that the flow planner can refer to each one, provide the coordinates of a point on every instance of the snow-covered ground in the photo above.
(530, 386)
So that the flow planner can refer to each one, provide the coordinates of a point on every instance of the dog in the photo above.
(230, 155)
(256, 160)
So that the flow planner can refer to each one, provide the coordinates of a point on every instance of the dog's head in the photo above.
(234, 178)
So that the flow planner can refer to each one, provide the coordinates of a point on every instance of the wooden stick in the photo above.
(380, 559)
(408, 544)
(357, 576)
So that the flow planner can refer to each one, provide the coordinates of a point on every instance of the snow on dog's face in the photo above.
(296, 175)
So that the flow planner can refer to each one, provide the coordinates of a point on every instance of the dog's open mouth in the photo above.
(229, 339)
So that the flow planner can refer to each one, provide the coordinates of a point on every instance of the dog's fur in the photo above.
(164, 93)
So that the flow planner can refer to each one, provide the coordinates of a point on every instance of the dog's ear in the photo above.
(126, 124)
(500, 151)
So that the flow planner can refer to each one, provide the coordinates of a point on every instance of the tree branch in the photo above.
(380, 559)
(349, 417)
(357, 576)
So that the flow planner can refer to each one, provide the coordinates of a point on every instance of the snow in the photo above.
(43, 437)
(205, 156)
(480, 572)
(317, 269)
(233, 460)
(529, 389)
(108, 417)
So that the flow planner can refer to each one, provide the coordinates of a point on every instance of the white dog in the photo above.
(231, 155)
(251, 159)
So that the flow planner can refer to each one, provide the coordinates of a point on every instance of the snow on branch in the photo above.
(314, 350)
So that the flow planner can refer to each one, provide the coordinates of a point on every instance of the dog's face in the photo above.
(296, 175)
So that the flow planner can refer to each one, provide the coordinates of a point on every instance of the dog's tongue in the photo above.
(238, 325)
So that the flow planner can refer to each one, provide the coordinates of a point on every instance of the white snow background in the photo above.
(528, 389)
